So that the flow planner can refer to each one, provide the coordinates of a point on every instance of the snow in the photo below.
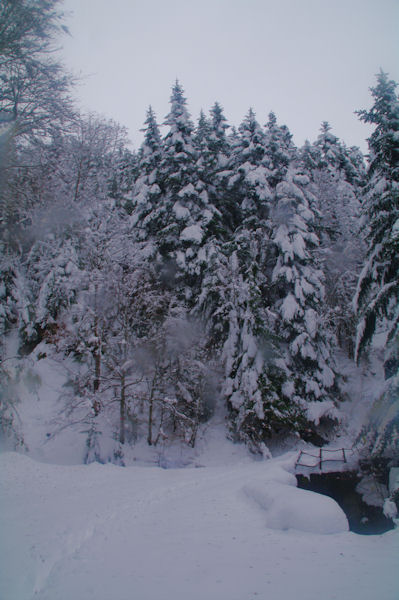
(362, 386)
(312, 387)
(248, 342)
(311, 322)
(299, 246)
(257, 175)
(232, 532)
(39, 385)
(372, 492)
(288, 389)
(290, 308)
(188, 190)
(307, 351)
(181, 211)
(282, 240)
(291, 508)
(393, 479)
(317, 410)
(207, 216)
(326, 376)
(389, 509)
(193, 233)
(301, 179)
(289, 190)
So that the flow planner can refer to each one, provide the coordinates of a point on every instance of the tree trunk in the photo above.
(150, 417)
(97, 360)
(97, 369)
(122, 414)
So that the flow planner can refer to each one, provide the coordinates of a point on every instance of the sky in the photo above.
(307, 60)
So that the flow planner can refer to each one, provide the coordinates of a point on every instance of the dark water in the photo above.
(362, 518)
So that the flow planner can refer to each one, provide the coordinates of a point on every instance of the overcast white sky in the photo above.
(307, 60)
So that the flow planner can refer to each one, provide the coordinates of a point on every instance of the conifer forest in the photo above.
(214, 271)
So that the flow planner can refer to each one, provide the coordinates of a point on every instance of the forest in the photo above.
(215, 270)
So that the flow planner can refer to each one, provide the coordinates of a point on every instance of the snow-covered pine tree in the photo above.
(222, 173)
(380, 434)
(338, 174)
(329, 165)
(280, 150)
(219, 144)
(298, 290)
(249, 164)
(15, 327)
(252, 374)
(235, 287)
(54, 279)
(147, 206)
(122, 176)
(9, 264)
(377, 294)
(212, 150)
(201, 138)
(298, 294)
(186, 215)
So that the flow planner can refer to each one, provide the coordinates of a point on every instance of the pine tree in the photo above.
(207, 157)
(147, 194)
(251, 359)
(298, 294)
(54, 278)
(337, 204)
(377, 295)
(253, 377)
(185, 213)
(204, 252)
(380, 434)
(219, 145)
(279, 148)
(250, 165)
(179, 152)
(8, 274)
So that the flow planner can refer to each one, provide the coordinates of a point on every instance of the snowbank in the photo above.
(291, 508)
(98, 532)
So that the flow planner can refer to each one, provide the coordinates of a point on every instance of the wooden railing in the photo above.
(322, 458)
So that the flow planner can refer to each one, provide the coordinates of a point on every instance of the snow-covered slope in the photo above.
(237, 532)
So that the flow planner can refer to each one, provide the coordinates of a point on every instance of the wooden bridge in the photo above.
(323, 456)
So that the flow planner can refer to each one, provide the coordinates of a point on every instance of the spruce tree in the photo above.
(147, 194)
(336, 182)
(205, 161)
(250, 164)
(298, 295)
(253, 375)
(279, 148)
(219, 145)
(377, 295)
(251, 358)
(186, 213)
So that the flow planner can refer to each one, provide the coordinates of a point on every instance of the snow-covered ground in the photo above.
(225, 527)
(234, 532)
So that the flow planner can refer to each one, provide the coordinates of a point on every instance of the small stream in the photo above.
(363, 518)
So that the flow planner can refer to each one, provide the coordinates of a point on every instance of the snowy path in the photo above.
(107, 533)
